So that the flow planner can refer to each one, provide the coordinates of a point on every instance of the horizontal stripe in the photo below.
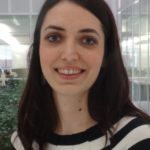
(129, 133)
(78, 138)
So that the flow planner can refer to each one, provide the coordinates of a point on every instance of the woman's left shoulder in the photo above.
(132, 133)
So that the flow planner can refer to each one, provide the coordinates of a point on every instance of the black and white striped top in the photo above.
(130, 133)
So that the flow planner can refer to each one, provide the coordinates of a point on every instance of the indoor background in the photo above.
(17, 21)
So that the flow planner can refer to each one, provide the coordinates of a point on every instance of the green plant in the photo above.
(9, 97)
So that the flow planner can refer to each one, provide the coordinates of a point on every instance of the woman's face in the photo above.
(71, 48)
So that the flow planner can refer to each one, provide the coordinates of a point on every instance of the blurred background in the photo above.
(17, 22)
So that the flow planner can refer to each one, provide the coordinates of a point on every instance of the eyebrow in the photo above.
(86, 30)
(54, 27)
(89, 30)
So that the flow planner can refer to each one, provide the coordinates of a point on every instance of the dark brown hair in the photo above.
(108, 98)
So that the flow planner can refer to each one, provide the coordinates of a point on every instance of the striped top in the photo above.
(129, 133)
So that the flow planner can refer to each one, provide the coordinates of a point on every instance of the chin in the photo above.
(70, 91)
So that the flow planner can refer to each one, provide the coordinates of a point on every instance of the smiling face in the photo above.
(71, 48)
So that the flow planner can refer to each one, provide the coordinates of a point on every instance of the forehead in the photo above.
(71, 15)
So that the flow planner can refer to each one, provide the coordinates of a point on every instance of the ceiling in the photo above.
(22, 26)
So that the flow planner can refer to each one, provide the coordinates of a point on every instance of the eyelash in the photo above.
(89, 41)
(86, 40)
(59, 37)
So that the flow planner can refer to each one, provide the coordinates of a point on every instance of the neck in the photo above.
(73, 114)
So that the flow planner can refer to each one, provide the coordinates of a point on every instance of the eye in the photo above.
(53, 38)
(89, 41)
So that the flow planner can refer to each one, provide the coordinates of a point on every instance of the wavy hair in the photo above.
(108, 97)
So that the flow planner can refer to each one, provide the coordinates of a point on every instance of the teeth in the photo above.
(68, 71)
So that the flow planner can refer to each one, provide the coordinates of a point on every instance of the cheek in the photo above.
(96, 64)
(95, 60)
(45, 60)
(47, 55)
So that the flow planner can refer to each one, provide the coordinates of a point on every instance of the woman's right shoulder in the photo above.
(17, 144)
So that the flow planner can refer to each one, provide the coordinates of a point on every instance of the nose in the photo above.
(70, 52)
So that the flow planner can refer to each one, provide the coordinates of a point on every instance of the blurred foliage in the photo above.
(9, 97)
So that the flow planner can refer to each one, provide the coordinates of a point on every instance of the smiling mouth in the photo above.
(69, 72)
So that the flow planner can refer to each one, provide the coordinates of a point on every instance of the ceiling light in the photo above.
(119, 12)
(16, 22)
(6, 36)
(136, 1)
(4, 28)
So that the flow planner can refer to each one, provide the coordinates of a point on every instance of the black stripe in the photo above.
(107, 148)
(88, 135)
(125, 130)
(142, 145)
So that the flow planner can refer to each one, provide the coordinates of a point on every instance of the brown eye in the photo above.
(54, 38)
(89, 41)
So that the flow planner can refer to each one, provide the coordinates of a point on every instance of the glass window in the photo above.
(14, 45)
(17, 22)
(135, 41)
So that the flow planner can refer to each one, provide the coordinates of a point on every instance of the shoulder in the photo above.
(132, 132)
(17, 144)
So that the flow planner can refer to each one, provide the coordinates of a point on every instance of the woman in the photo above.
(77, 92)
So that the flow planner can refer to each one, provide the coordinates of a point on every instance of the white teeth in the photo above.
(69, 71)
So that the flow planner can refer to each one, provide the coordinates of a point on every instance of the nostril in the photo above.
(69, 56)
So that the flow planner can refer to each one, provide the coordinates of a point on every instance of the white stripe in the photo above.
(121, 123)
(138, 134)
(17, 144)
(16, 141)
